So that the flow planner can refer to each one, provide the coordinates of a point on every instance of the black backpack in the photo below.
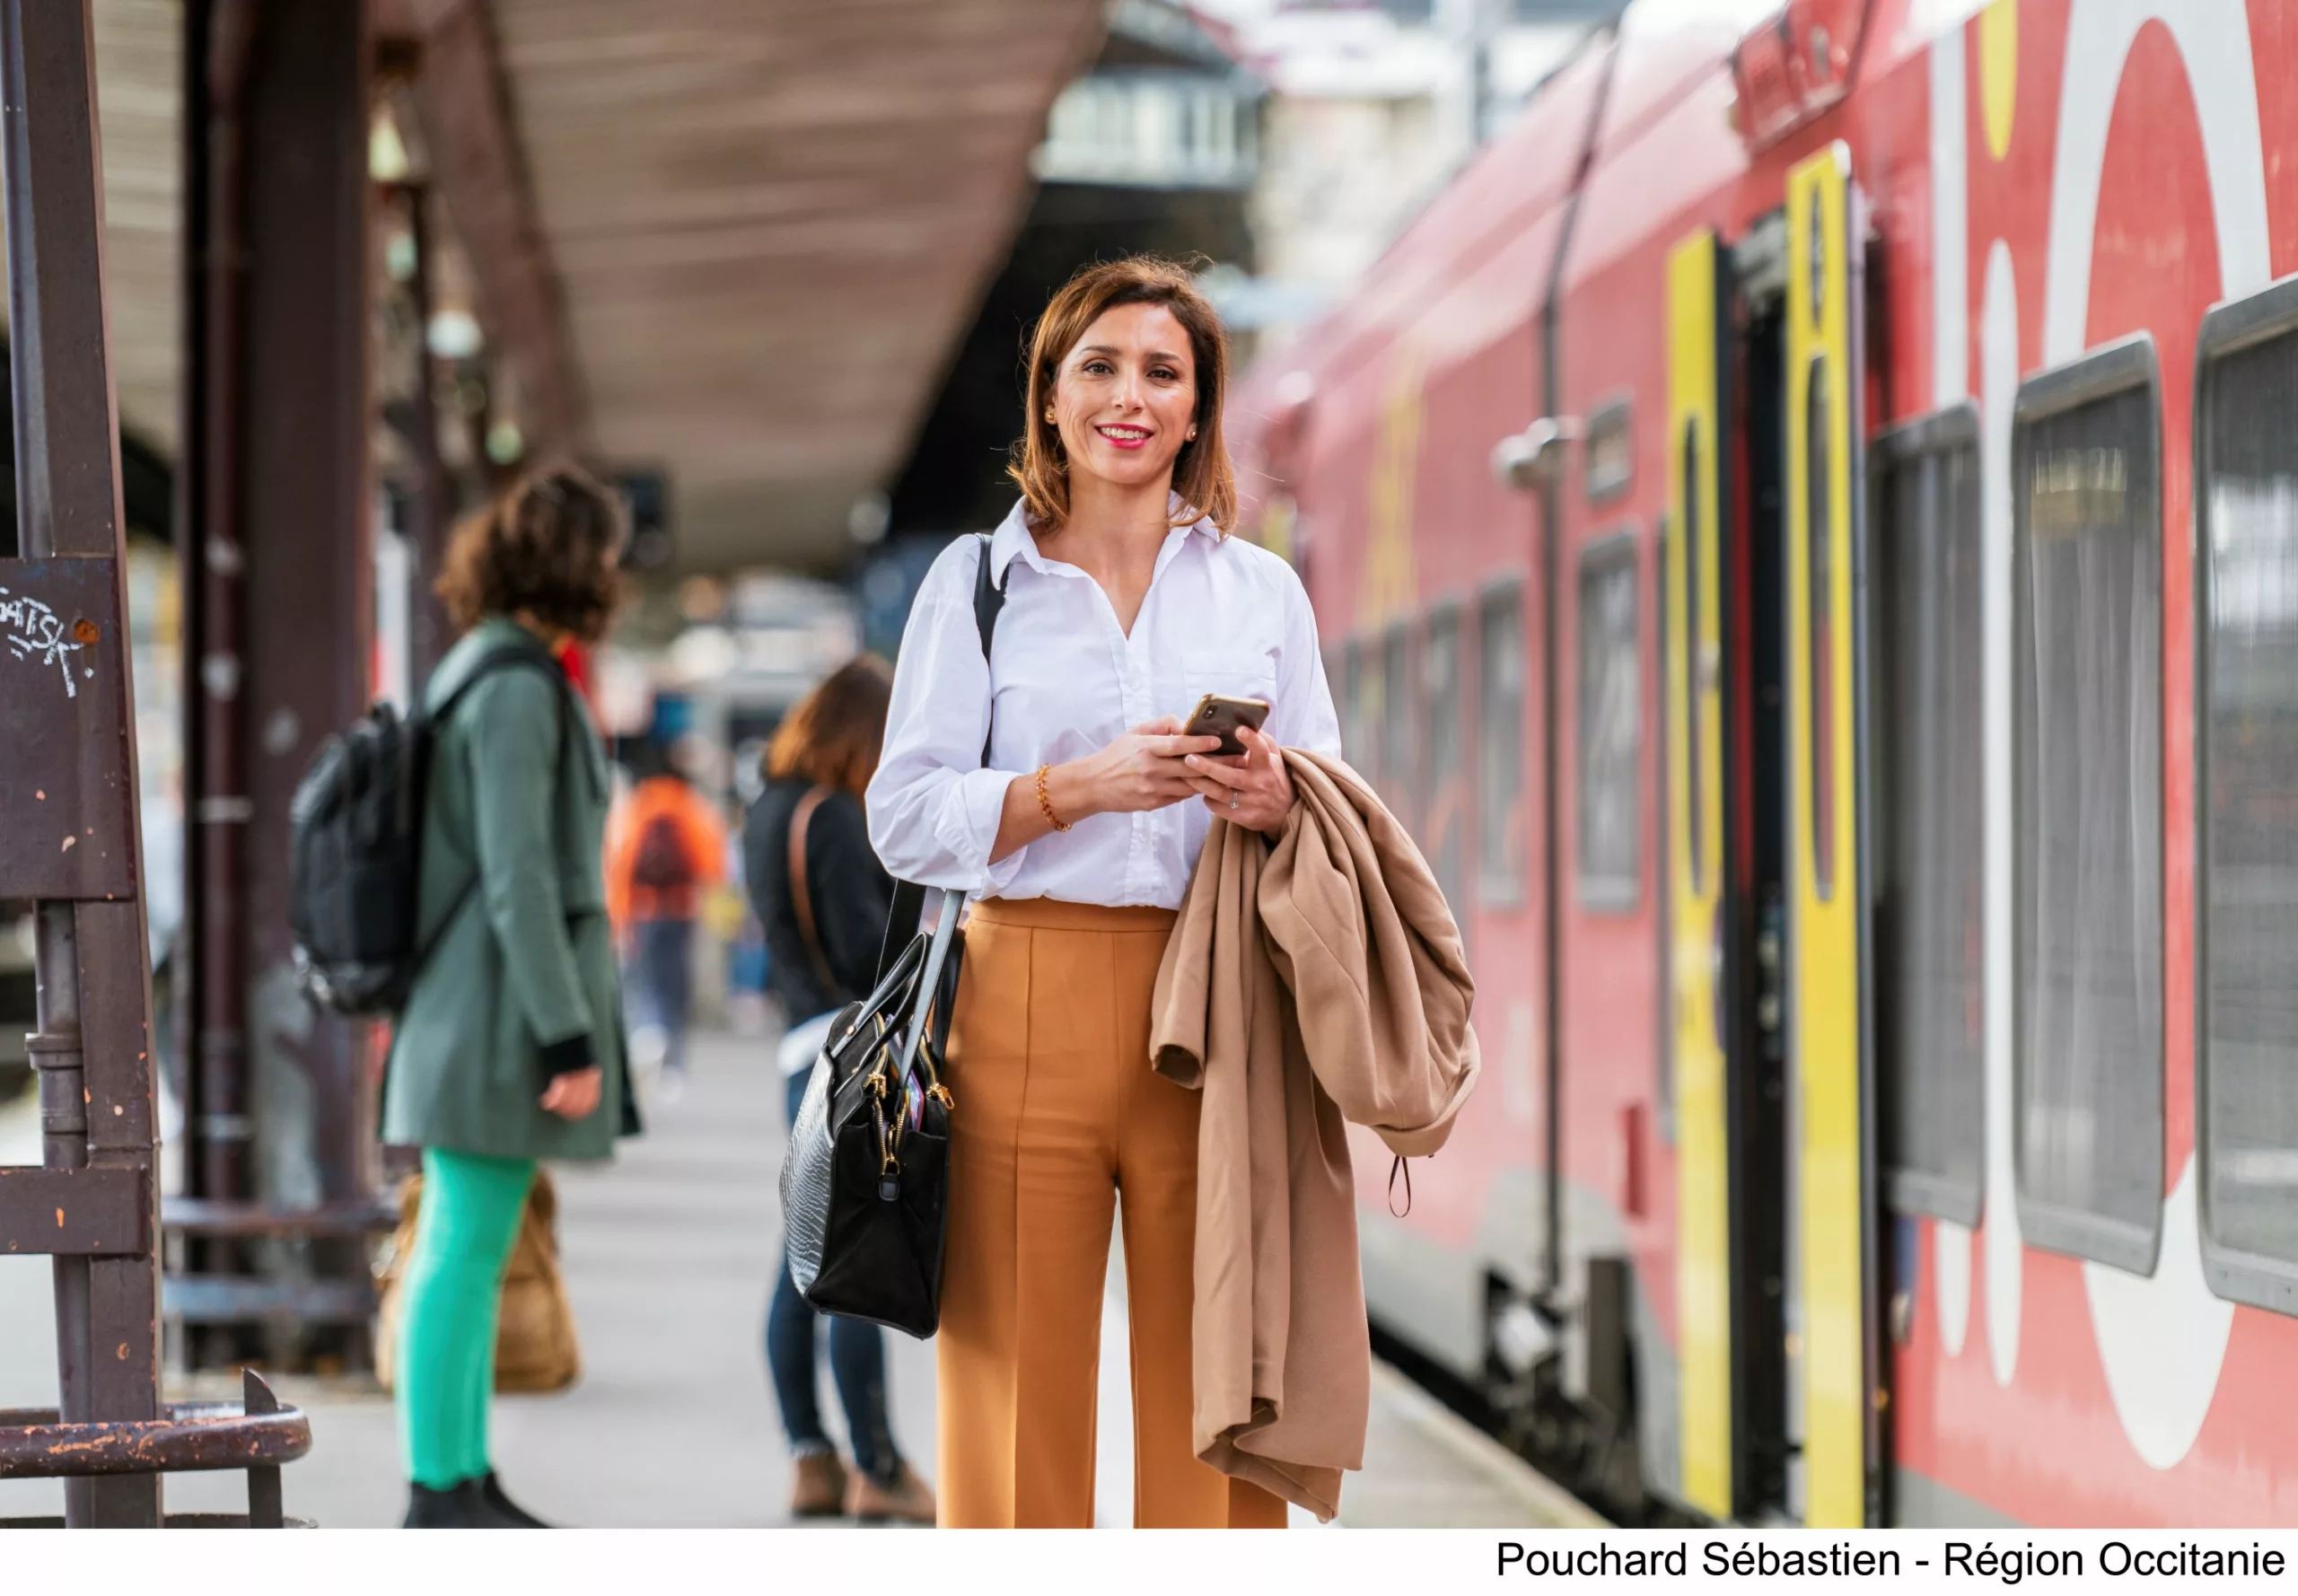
(356, 830)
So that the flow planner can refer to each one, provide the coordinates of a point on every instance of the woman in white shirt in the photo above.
(1125, 602)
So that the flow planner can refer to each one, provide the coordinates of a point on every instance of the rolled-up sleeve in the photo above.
(934, 809)
(1302, 717)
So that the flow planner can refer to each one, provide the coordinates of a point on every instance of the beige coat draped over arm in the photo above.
(1318, 982)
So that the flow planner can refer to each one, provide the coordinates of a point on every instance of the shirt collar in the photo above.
(1013, 540)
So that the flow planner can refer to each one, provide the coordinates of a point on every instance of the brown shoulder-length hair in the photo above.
(833, 737)
(548, 546)
(1202, 474)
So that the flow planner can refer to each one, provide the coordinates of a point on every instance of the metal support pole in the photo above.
(93, 1045)
(305, 513)
(279, 590)
(434, 495)
(221, 1126)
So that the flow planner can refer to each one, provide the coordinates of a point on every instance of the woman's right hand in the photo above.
(1143, 770)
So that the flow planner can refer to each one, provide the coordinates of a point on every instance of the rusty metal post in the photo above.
(74, 746)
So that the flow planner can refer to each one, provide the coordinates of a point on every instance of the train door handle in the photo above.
(1718, 1018)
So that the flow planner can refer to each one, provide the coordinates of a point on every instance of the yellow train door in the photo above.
(1697, 1027)
(1833, 1353)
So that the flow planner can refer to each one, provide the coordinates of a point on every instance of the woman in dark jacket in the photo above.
(510, 1047)
(822, 934)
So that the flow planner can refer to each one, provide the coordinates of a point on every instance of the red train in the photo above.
(1806, 530)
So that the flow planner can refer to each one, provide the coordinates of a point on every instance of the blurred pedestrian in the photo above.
(1125, 600)
(510, 1049)
(823, 897)
(665, 848)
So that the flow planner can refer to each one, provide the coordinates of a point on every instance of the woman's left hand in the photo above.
(1255, 790)
(573, 1095)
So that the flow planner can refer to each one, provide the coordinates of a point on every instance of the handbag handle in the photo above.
(945, 928)
(905, 979)
(889, 987)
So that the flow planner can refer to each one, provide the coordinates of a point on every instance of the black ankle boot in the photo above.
(462, 1505)
(492, 1493)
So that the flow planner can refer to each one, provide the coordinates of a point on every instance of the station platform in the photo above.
(667, 1255)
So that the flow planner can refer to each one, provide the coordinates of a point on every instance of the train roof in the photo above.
(1629, 76)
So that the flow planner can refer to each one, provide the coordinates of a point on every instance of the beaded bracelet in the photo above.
(1045, 801)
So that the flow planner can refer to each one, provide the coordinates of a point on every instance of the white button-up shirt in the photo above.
(1222, 615)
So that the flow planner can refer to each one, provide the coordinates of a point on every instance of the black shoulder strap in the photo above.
(909, 898)
(988, 599)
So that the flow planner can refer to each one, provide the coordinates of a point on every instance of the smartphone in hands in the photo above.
(1216, 716)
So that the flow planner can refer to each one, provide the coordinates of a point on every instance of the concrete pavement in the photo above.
(667, 1255)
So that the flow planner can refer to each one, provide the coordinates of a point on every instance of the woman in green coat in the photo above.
(510, 1049)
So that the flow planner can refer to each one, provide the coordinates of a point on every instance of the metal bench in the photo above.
(258, 1434)
(193, 1298)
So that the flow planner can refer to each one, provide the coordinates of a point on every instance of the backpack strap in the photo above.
(511, 654)
(909, 898)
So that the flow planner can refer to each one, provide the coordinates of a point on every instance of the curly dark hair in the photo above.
(548, 547)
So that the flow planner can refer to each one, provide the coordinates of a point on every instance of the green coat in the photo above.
(523, 979)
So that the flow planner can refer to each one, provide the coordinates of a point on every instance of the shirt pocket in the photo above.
(1227, 673)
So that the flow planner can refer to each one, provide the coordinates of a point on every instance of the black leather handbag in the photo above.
(865, 1187)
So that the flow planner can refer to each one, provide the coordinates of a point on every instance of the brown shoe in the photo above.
(818, 1488)
(908, 1499)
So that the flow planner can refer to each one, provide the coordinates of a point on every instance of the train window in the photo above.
(1819, 531)
(1611, 452)
(2088, 800)
(1930, 753)
(1500, 746)
(2247, 591)
(1611, 725)
(1399, 726)
(1443, 800)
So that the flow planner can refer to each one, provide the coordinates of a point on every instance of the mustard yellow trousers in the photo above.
(1058, 1113)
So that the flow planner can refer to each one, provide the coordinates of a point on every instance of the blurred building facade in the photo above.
(1370, 109)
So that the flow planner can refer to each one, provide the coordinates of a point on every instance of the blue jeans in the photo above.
(857, 1362)
(663, 974)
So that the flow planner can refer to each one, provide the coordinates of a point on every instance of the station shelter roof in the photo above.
(765, 223)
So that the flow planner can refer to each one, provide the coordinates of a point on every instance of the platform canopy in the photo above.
(733, 240)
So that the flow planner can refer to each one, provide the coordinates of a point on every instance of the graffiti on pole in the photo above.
(32, 631)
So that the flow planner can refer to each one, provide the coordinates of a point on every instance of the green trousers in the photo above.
(451, 1296)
